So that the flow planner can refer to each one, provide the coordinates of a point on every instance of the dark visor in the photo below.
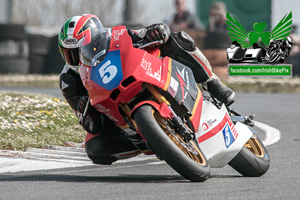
(71, 55)
(94, 53)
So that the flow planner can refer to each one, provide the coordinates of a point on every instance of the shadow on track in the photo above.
(122, 178)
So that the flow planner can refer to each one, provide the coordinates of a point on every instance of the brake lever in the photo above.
(83, 115)
(142, 46)
(86, 108)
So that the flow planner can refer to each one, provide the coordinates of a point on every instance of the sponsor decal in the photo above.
(63, 85)
(112, 118)
(70, 41)
(220, 127)
(206, 125)
(181, 72)
(117, 34)
(187, 80)
(183, 77)
(182, 83)
(173, 87)
(146, 65)
(101, 108)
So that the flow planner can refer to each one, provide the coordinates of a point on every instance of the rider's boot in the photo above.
(219, 91)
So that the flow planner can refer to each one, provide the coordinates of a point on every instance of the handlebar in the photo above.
(142, 46)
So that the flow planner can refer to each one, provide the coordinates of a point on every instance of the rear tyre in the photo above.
(184, 157)
(253, 160)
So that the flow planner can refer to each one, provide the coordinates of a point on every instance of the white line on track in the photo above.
(272, 134)
(47, 161)
(157, 163)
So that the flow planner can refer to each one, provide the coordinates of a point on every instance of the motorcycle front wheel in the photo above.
(253, 160)
(184, 157)
(274, 56)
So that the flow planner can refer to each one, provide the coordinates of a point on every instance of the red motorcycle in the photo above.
(159, 98)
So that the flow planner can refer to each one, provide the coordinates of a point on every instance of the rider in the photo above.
(106, 143)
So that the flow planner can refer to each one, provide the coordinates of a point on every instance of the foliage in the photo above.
(36, 121)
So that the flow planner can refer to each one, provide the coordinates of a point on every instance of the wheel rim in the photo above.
(254, 146)
(190, 148)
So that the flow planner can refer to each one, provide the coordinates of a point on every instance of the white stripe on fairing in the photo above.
(272, 134)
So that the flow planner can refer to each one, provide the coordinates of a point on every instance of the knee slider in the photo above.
(103, 160)
(95, 147)
(185, 41)
(97, 152)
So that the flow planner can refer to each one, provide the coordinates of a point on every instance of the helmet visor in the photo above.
(70, 55)
(94, 52)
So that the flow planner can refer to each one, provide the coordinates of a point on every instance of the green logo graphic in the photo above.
(246, 39)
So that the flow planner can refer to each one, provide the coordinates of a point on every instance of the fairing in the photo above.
(105, 82)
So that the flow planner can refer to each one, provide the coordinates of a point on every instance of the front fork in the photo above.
(164, 108)
(182, 129)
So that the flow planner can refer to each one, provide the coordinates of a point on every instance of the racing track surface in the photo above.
(153, 179)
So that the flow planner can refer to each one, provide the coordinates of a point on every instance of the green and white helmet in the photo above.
(77, 31)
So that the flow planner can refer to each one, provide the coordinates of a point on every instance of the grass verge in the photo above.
(264, 84)
(238, 84)
(29, 80)
(36, 121)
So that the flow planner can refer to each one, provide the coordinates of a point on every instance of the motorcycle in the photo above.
(278, 50)
(159, 99)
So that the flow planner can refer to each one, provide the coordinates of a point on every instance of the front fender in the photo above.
(163, 109)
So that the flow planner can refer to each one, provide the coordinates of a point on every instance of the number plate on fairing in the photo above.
(108, 74)
(219, 139)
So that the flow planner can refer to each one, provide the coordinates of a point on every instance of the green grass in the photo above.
(238, 84)
(36, 121)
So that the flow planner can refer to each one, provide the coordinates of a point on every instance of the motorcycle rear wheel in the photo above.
(184, 157)
(253, 160)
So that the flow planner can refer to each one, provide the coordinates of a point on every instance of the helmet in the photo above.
(93, 52)
(77, 31)
(289, 41)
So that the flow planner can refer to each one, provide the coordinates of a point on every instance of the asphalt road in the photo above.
(153, 179)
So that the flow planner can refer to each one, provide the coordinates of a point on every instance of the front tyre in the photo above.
(184, 157)
(253, 160)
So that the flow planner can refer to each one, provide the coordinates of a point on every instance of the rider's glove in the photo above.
(92, 121)
(82, 104)
(157, 32)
